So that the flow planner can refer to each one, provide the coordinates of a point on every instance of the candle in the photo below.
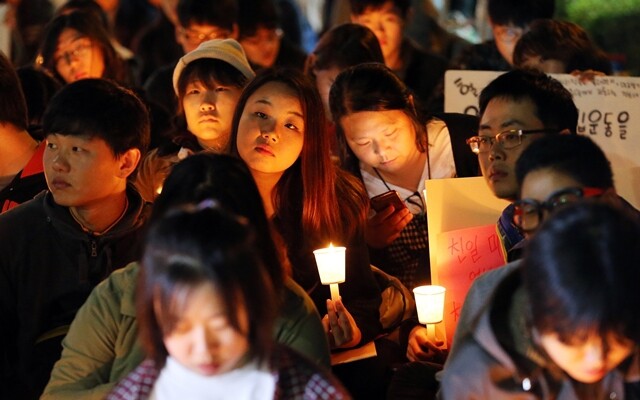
(335, 292)
(430, 306)
(331, 267)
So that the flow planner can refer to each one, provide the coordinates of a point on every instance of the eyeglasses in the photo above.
(508, 34)
(529, 213)
(507, 139)
(263, 36)
(195, 37)
(80, 51)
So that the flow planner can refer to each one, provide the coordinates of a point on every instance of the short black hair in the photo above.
(38, 87)
(344, 46)
(358, 7)
(563, 41)
(197, 245)
(13, 107)
(576, 156)
(256, 14)
(554, 103)
(580, 271)
(99, 108)
(519, 12)
(220, 13)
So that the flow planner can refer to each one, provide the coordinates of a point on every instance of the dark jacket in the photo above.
(482, 57)
(48, 267)
(423, 73)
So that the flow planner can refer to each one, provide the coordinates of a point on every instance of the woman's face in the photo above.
(584, 359)
(209, 112)
(77, 57)
(263, 47)
(271, 129)
(203, 339)
(385, 140)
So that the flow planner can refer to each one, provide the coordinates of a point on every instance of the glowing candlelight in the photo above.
(331, 267)
(430, 305)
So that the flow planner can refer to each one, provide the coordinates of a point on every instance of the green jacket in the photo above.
(102, 347)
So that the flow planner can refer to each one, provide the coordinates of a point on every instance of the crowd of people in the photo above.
(165, 179)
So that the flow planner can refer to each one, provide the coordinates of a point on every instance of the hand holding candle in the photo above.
(430, 305)
(331, 267)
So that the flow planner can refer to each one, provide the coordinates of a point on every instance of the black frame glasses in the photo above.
(508, 139)
(528, 214)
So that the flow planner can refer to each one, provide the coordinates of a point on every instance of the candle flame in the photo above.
(330, 245)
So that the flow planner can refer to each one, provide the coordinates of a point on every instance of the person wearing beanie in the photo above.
(208, 82)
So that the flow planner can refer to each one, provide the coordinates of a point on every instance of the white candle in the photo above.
(335, 292)
(431, 333)
(430, 306)
(331, 264)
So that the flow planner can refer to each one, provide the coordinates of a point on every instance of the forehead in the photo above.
(68, 36)
(542, 183)
(371, 123)
(503, 112)
(388, 7)
(272, 92)
(203, 28)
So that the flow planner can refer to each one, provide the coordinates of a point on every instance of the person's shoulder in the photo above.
(428, 57)
(300, 378)
(117, 291)
(25, 215)
(296, 300)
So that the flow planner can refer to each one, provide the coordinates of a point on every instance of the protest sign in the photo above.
(609, 109)
(462, 215)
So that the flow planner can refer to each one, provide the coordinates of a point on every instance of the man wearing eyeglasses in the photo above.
(516, 109)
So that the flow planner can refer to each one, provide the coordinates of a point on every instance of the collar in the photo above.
(34, 166)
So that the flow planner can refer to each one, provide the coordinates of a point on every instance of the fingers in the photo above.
(342, 329)
(420, 348)
(384, 228)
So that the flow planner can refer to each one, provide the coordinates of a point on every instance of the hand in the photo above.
(420, 348)
(586, 76)
(339, 325)
(386, 226)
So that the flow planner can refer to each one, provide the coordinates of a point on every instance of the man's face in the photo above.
(190, 37)
(387, 24)
(498, 164)
(506, 37)
(82, 172)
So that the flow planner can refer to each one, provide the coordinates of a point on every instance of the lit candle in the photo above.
(430, 306)
(331, 267)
